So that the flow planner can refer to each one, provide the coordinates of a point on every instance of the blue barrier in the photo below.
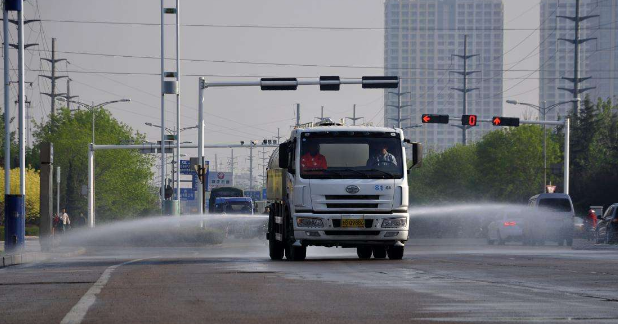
(14, 222)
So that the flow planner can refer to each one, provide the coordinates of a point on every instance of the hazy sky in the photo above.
(242, 113)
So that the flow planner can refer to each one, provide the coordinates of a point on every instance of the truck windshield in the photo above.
(351, 155)
(234, 207)
(556, 205)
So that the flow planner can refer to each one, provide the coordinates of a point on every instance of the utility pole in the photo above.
(232, 167)
(354, 118)
(251, 167)
(68, 96)
(576, 80)
(53, 77)
(278, 137)
(399, 106)
(297, 114)
(264, 159)
(216, 163)
(465, 57)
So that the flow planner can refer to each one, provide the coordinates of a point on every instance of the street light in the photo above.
(91, 107)
(543, 111)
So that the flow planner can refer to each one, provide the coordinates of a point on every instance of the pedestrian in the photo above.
(66, 221)
(55, 223)
(81, 221)
(591, 223)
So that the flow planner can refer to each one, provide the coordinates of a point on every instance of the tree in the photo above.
(506, 165)
(32, 192)
(123, 187)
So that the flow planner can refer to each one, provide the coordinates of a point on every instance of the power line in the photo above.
(256, 26)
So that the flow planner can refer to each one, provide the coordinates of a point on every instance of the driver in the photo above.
(313, 160)
(382, 157)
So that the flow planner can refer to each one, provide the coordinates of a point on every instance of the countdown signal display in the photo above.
(469, 120)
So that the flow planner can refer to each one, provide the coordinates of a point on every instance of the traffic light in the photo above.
(505, 121)
(434, 119)
(468, 120)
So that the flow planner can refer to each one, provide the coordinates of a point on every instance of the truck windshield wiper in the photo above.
(390, 175)
(323, 170)
(357, 172)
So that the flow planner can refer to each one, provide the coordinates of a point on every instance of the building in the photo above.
(420, 39)
(598, 58)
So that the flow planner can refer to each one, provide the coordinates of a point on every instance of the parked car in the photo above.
(552, 218)
(510, 226)
(607, 226)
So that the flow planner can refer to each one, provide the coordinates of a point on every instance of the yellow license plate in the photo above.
(353, 223)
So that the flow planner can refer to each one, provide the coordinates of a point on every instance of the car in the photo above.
(552, 217)
(511, 225)
(607, 226)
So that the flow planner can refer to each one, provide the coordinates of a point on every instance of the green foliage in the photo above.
(506, 165)
(122, 176)
(594, 155)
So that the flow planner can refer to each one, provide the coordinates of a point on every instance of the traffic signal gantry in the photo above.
(473, 120)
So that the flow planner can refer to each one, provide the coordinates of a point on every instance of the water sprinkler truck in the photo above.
(343, 186)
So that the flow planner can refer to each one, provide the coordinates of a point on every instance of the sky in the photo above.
(228, 32)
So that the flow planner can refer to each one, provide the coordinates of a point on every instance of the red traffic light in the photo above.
(468, 120)
(434, 119)
(505, 121)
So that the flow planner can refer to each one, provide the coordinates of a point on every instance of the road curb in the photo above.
(29, 257)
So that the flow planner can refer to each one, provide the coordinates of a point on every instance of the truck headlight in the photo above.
(394, 222)
(309, 222)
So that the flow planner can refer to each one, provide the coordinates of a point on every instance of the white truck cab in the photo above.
(335, 185)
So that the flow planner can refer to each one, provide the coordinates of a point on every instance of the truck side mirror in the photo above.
(284, 155)
(417, 156)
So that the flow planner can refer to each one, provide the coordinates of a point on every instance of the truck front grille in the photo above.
(352, 197)
(353, 233)
(351, 205)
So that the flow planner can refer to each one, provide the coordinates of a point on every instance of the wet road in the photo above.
(437, 282)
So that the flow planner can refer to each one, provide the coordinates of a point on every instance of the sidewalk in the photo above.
(32, 253)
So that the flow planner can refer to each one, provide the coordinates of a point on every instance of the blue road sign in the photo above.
(264, 194)
(185, 167)
(187, 194)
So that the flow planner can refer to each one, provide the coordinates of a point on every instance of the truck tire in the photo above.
(275, 248)
(296, 253)
(379, 252)
(395, 252)
(364, 252)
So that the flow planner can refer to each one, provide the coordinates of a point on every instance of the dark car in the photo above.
(607, 226)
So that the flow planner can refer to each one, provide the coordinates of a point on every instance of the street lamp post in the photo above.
(91, 154)
(542, 109)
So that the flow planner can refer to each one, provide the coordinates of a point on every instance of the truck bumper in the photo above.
(333, 234)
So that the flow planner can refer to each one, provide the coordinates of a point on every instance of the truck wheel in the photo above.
(364, 252)
(395, 252)
(379, 252)
(296, 253)
(275, 248)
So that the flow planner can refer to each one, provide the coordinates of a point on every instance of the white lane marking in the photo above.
(78, 312)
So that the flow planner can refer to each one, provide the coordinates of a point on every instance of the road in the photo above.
(437, 282)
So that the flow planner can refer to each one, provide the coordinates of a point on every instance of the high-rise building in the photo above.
(598, 58)
(420, 39)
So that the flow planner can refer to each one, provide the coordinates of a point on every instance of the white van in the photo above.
(552, 218)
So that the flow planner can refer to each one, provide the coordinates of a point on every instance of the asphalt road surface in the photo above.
(437, 282)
